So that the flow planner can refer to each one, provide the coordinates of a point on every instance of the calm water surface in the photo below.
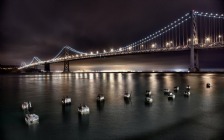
(201, 116)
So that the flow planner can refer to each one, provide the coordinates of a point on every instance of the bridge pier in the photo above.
(47, 67)
(66, 66)
(194, 62)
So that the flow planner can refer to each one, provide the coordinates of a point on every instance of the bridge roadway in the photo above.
(131, 52)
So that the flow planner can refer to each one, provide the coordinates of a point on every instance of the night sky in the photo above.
(42, 27)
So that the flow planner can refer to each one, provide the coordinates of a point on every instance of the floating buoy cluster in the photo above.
(84, 109)
(148, 97)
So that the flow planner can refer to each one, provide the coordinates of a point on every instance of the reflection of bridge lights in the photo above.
(189, 40)
(219, 36)
(141, 45)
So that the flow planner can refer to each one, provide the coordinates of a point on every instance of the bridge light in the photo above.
(219, 36)
(97, 52)
(130, 48)
(207, 39)
(77, 55)
(111, 50)
(195, 39)
(120, 49)
(153, 45)
(91, 53)
(167, 44)
(104, 51)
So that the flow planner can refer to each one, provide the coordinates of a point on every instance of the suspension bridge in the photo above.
(193, 31)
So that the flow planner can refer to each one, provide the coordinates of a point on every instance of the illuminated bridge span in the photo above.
(193, 31)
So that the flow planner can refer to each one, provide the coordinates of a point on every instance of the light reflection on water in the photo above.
(199, 116)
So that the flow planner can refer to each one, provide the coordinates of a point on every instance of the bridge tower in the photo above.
(194, 62)
(47, 67)
(66, 62)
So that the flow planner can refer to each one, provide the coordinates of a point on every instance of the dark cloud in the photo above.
(42, 27)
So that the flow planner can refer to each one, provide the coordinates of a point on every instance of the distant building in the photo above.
(8, 68)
